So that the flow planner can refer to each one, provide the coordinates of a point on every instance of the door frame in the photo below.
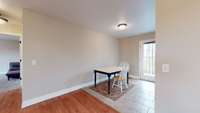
(21, 59)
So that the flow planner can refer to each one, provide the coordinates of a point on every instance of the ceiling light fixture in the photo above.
(122, 26)
(3, 20)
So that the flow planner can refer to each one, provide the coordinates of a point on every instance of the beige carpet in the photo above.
(115, 91)
(6, 85)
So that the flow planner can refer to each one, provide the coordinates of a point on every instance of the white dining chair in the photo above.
(120, 79)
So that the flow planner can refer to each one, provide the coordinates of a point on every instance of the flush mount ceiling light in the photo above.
(122, 26)
(3, 20)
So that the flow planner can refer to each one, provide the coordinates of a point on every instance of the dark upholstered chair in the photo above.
(14, 70)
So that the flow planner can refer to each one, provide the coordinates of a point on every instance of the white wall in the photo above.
(129, 51)
(9, 52)
(11, 29)
(178, 37)
(66, 54)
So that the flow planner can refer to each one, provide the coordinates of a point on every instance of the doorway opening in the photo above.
(10, 77)
(147, 60)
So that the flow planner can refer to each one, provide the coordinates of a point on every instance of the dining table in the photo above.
(109, 71)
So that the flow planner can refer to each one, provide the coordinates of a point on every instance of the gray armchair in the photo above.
(14, 70)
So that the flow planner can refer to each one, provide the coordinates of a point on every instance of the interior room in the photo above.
(9, 62)
(99, 56)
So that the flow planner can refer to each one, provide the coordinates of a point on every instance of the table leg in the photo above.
(127, 77)
(95, 78)
(109, 83)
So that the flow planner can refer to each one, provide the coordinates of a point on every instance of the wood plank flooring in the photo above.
(75, 102)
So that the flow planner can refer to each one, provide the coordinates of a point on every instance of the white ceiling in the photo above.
(98, 15)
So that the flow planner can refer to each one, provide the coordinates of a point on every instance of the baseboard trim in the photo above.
(36, 100)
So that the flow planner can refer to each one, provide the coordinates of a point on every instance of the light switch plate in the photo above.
(33, 62)
(165, 68)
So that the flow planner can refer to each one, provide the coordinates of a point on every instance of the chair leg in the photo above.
(121, 85)
(118, 82)
(113, 83)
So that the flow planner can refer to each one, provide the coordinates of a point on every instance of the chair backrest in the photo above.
(13, 66)
(125, 68)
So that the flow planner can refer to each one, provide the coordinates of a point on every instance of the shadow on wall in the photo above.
(83, 78)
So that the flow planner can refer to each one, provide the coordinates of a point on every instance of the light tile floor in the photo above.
(6, 85)
(140, 99)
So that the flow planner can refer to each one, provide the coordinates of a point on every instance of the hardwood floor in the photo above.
(75, 102)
